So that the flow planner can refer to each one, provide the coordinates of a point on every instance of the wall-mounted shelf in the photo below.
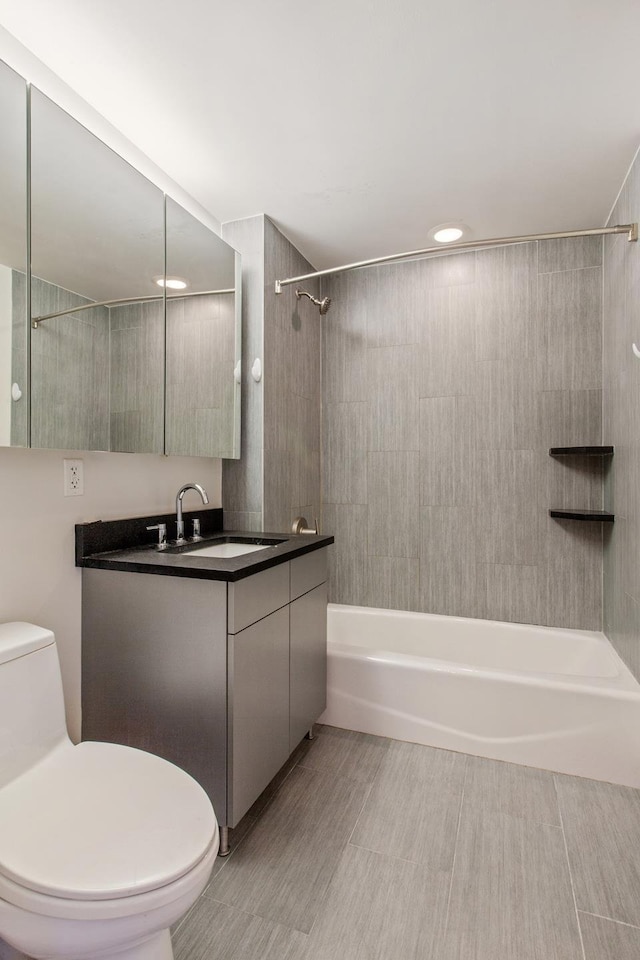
(602, 515)
(581, 452)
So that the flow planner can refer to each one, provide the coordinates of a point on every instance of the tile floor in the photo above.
(371, 849)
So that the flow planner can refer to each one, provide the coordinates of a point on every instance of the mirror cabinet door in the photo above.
(91, 356)
(203, 339)
(14, 387)
(97, 237)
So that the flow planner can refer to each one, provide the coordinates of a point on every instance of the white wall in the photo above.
(38, 579)
(5, 354)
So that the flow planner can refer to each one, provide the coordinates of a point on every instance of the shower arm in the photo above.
(631, 229)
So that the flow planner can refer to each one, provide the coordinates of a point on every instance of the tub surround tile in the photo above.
(506, 302)
(621, 401)
(497, 384)
(569, 254)
(571, 329)
(623, 627)
(379, 907)
(446, 358)
(574, 589)
(524, 792)
(448, 461)
(399, 299)
(450, 587)
(513, 591)
(393, 414)
(607, 940)
(348, 565)
(507, 404)
(569, 418)
(345, 753)
(412, 810)
(511, 892)
(281, 871)
(345, 452)
(392, 485)
(602, 827)
(393, 582)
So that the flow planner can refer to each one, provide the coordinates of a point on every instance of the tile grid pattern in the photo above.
(621, 402)
(371, 849)
(445, 382)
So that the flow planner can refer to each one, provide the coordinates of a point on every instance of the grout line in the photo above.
(364, 803)
(566, 853)
(455, 853)
(622, 923)
(323, 896)
(259, 916)
(386, 856)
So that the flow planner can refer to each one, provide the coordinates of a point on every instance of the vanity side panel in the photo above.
(308, 662)
(154, 670)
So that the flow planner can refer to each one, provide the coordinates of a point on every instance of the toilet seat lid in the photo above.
(99, 821)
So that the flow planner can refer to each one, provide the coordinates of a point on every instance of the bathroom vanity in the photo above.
(218, 665)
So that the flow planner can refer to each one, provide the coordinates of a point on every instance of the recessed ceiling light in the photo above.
(448, 232)
(172, 283)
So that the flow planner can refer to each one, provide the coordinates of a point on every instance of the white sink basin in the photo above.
(223, 551)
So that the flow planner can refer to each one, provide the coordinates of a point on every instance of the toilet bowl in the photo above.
(102, 847)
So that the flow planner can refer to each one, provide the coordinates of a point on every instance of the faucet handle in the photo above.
(195, 533)
(300, 525)
(162, 535)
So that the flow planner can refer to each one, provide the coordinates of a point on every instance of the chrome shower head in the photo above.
(323, 304)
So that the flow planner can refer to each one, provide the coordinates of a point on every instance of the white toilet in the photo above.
(102, 847)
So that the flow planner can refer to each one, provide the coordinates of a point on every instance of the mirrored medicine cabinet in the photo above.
(119, 310)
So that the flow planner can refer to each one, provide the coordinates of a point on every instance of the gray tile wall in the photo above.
(621, 417)
(444, 383)
(278, 475)
(200, 380)
(137, 378)
(69, 373)
(291, 389)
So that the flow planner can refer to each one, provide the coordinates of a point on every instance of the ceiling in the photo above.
(358, 125)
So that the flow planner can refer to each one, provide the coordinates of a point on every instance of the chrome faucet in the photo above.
(180, 522)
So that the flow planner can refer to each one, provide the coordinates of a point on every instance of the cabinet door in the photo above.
(307, 662)
(258, 688)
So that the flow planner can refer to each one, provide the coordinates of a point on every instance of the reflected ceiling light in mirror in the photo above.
(448, 232)
(172, 283)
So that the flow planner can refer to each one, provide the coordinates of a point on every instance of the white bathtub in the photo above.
(544, 697)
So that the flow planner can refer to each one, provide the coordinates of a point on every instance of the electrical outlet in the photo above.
(73, 478)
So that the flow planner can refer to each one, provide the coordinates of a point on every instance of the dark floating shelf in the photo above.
(581, 452)
(583, 515)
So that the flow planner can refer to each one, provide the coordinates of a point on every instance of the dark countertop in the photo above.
(141, 557)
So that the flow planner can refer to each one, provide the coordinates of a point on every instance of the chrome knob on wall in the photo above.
(299, 525)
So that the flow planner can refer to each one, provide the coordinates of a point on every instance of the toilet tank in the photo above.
(32, 720)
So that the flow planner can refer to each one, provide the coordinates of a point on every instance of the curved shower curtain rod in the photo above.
(36, 321)
(629, 228)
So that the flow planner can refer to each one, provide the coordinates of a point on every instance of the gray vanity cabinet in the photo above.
(258, 709)
(223, 679)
